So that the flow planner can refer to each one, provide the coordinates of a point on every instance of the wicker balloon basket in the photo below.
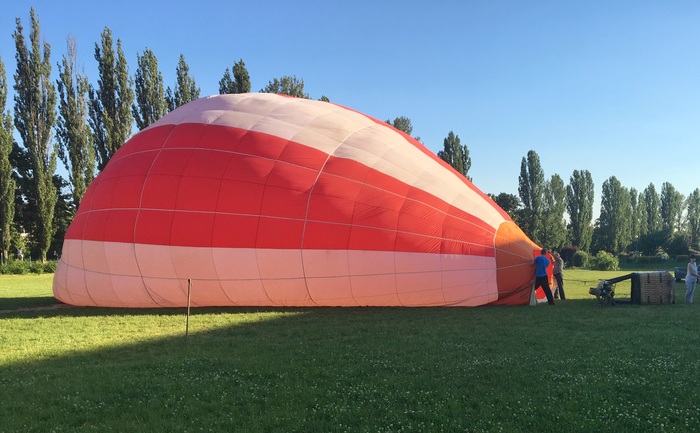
(653, 288)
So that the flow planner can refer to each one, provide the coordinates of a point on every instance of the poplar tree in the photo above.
(614, 231)
(579, 206)
(693, 215)
(35, 116)
(236, 80)
(455, 154)
(671, 208)
(553, 232)
(75, 145)
(7, 182)
(287, 85)
(186, 89)
(652, 205)
(150, 104)
(531, 192)
(110, 103)
(402, 123)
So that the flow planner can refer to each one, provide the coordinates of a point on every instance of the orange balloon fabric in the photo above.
(267, 200)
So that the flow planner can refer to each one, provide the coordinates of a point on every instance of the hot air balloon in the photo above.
(266, 200)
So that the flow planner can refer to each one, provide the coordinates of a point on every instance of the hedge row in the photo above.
(20, 267)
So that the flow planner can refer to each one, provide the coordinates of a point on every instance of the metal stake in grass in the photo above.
(189, 292)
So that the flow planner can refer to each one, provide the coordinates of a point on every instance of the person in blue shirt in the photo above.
(541, 263)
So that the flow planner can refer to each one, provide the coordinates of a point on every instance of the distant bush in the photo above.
(21, 267)
(682, 258)
(580, 259)
(604, 261)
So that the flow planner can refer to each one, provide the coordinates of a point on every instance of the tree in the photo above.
(510, 203)
(402, 123)
(150, 102)
(75, 145)
(186, 89)
(652, 206)
(110, 104)
(635, 220)
(286, 85)
(7, 182)
(35, 116)
(531, 192)
(455, 154)
(614, 228)
(553, 233)
(693, 216)
(671, 207)
(579, 206)
(238, 83)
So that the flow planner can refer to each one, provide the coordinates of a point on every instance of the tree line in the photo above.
(83, 123)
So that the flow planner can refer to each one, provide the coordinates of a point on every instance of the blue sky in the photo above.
(612, 87)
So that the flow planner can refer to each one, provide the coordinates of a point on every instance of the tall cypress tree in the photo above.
(150, 104)
(75, 145)
(110, 103)
(35, 116)
(7, 182)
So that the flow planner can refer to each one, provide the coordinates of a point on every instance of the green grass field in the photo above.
(574, 367)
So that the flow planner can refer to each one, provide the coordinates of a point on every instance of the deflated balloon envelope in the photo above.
(266, 200)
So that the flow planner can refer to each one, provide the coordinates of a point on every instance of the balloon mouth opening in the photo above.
(514, 254)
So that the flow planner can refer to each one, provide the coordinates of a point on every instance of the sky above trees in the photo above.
(607, 87)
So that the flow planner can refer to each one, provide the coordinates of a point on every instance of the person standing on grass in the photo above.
(691, 277)
(558, 275)
(541, 263)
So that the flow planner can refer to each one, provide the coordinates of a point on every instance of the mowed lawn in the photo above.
(574, 367)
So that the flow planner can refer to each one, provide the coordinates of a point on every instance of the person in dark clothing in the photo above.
(558, 272)
(541, 263)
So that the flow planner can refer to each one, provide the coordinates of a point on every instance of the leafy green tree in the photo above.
(7, 181)
(510, 203)
(614, 229)
(35, 116)
(671, 207)
(553, 233)
(236, 81)
(286, 85)
(579, 206)
(635, 221)
(63, 215)
(456, 154)
(531, 192)
(75, 145)
(110, 104)
(652, 205)
(693, 216)
(186, 89)
(150, 104)
(324, 98)
(402, 123)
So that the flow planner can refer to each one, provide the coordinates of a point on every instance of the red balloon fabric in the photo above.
(266, 200)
